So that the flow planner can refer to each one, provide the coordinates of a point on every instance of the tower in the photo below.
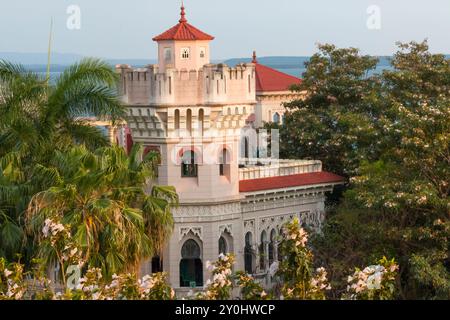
(183, 47)
(192, 112)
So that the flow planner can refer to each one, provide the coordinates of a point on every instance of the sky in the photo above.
(124, 29)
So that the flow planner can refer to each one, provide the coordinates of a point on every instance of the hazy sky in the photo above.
(124, 29)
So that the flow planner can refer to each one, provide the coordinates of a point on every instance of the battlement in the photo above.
(213, 84)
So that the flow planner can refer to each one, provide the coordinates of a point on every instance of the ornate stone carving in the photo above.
(196, 231)
(226, 228)
(249, 226)
(207, 210)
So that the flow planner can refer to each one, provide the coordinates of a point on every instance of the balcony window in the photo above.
(189, 166)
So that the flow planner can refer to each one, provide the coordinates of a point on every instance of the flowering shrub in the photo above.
(122, 287)
(250, 289)
(299, 279)
(12, 286)
(57, 244)
(92, 286)
(375, 282)
(221, 285)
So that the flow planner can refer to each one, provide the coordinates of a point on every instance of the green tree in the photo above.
(299, 280)
(38, 118)
(398, 205)
(99, 200)
(335, 121)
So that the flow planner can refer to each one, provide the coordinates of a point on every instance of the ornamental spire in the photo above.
(183, 14)
(254, 57)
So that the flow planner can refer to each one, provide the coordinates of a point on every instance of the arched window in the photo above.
(189, 166)
(129, 143)
(191, 267)
(223, 247)
(201, 121)
(262, 251)
(157, 265)
(280, 255)
(185, 53)
(246, 150)
(177, 119)
(272, 246)
(224, 163)
(248, 253)
(168, 55)
(153, 152)
(189, 121)
(276, 117)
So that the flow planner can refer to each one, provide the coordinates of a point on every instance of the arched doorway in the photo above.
(191, 267)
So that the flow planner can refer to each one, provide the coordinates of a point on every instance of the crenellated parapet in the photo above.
(214, 84)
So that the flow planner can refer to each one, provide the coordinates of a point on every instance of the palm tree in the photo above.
(39, 127)
(102, 197)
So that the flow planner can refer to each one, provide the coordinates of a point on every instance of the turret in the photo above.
(183, 47)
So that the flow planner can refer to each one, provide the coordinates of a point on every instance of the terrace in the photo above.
(250, 169)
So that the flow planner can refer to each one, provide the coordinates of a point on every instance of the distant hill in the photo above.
(36, 60)
(40, 58)
(293, 65)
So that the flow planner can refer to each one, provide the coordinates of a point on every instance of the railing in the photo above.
(265, 168)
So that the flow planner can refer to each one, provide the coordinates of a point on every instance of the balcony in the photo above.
(265, 168)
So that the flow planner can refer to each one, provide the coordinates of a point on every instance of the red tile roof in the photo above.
(268, 79)
(183, 31)
(297, 180)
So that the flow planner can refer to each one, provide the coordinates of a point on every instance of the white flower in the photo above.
(374, 281)
(7, 273)
(209, 266)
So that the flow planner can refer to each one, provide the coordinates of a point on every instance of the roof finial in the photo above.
(183, 14)
(254, 57)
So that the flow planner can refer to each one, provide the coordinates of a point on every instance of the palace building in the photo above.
(199, 116)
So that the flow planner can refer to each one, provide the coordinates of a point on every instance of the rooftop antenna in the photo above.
(49, 56)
